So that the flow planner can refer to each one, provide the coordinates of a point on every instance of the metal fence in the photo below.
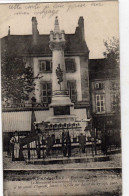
(41, 149)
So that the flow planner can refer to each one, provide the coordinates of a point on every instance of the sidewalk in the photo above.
(114, 162)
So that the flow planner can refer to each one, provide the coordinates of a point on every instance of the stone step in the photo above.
(66, 160)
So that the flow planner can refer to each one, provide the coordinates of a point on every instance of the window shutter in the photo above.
(47, 92)
(99, 85)
(45, 66)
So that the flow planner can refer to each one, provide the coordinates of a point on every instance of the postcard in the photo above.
(60, 86)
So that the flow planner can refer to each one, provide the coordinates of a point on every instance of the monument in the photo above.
(63, 116)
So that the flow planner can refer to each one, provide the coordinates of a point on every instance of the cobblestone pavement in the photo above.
(115, 161)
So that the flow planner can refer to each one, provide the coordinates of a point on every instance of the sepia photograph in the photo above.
(61, 105)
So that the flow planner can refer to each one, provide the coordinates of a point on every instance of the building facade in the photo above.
(37, 52)
(92, 85)
(105, 97)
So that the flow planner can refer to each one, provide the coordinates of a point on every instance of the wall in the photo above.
(45, 76)
(81, 113)
(80, 75)
(105, 91)
(76, 76)
(84, 78)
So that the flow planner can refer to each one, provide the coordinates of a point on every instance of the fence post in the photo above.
(28, 149)
(110, 139)
(38, 148)
(95, 141)
(92, 140)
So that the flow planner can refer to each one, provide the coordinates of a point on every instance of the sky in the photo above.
(101, 20)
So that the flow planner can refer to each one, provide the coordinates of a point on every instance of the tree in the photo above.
(17, 78)
(112, 51)
(113, 60)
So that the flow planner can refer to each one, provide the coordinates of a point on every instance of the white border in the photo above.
(47, 1)
(124, 61)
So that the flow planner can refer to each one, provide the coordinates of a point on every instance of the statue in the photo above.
(59, 74)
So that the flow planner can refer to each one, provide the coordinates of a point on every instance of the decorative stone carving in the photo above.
(57, 45)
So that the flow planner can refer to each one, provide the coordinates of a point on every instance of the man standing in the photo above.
(66, 144)
(82, 142)
(16, 147)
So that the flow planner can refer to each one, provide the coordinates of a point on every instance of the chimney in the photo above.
(80, 28)
(35, 31)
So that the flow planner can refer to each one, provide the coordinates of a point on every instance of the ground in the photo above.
(115, 161)
(68, 182)
(89, 179)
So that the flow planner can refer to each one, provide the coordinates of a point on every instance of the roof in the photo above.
(101, 69)
(24, 45)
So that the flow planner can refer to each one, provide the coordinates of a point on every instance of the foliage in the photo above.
(112, 51)
(17, 78)
(113, 61)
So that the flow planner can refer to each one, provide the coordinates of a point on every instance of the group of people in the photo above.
(66, 143)
(16, 146)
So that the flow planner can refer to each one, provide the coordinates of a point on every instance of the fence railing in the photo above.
(33, 151)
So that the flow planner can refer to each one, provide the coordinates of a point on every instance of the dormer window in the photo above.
(99, 85)
(45, 66)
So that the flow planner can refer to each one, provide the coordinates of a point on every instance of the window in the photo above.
(45, 66)
(46, 92)
(71, 85)
(100, 104)
(99, 85)
(70, 65)
(115, 101)
(114, 86)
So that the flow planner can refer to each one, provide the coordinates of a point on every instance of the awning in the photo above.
(21, 121)
(16, 121)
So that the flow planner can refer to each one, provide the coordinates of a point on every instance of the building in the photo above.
(37, 51)
(105, 96)
(90, 87)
